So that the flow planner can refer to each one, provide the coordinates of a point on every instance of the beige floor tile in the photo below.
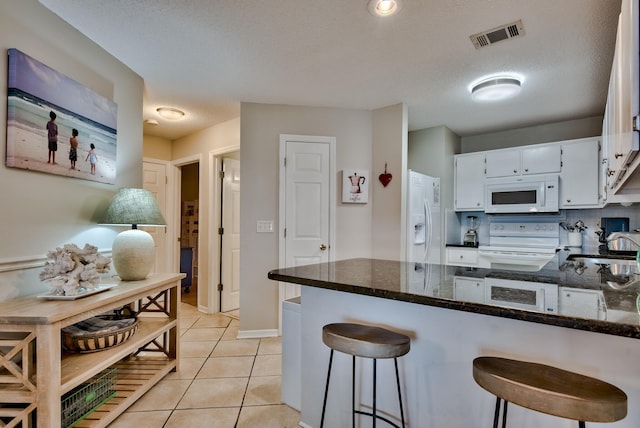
(232, 331)
(163, 396)
(189, 368)
(263, 390)
(225, 392)
(270, 345)
(216, 320)
(233, 348)
(225, 417)
(202, 334)
(196, 349)
(141, 419)
(277, 416)
(226, 367)
(267, 365)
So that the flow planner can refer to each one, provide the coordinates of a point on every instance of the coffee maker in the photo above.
(471, 237)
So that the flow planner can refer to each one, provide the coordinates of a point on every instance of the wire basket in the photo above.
(81, 401)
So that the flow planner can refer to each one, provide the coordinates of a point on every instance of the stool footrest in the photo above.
(360, 412)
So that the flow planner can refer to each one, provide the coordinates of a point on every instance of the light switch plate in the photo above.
(264, 226)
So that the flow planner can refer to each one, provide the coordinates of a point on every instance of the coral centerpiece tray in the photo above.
(80, 295)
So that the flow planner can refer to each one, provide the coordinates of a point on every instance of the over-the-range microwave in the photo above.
(522, 194)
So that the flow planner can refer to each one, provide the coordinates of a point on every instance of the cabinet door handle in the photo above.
(618, 155)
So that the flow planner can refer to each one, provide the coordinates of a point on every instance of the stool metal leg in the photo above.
(353, 392)
(326, 389)
(496, 414)
(374, 394)
(581, 424)
(395, 360)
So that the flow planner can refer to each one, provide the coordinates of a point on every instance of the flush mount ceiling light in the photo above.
(495, 88)
(151, 122)
(384, 7)
(170, 113)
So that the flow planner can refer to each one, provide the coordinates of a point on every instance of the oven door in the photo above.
(531, 261)
(532, 296)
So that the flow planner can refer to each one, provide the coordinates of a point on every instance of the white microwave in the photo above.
(522, 194)
(532, 296)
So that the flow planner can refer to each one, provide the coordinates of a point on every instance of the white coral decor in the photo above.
(71, 269)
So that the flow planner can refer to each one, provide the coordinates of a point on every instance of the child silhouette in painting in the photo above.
(93, 158)
(52, 136)
(73, 151)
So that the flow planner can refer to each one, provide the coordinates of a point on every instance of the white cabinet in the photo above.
(469, 182)
(468, 289)
(579, 178)
(539, 159)
(581, 303)
(461, 256)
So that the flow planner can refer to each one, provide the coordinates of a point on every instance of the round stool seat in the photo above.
(550, 390)
(365, 341)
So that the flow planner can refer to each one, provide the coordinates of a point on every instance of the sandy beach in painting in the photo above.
(30, 151)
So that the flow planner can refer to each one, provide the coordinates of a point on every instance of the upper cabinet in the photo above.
(522, 161)
(469, 182)
(579, 177)
(620, 138)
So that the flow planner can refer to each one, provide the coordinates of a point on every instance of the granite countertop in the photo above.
(432, 285)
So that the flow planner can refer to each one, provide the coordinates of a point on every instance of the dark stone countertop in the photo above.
(432, 285)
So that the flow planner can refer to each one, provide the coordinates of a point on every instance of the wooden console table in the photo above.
(35, 373)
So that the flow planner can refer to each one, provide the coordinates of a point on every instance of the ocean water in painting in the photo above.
(34, 91)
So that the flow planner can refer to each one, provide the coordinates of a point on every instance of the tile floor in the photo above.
(223, 382)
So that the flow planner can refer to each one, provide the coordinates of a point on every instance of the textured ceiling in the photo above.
(207, 56)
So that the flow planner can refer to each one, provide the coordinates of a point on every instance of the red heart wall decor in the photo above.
(386, 177)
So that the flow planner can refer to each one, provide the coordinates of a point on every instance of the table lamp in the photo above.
(133, 251)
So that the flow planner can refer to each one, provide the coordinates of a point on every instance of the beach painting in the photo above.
(56, 125)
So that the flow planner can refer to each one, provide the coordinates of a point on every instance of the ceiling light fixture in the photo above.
(170, 113)
(384, 7)
(151, 122)
(495, 88)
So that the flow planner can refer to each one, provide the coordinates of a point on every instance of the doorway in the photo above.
(229, 260)
(189, 226)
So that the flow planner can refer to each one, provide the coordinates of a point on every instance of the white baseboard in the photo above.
(257, 334)
(303, 425)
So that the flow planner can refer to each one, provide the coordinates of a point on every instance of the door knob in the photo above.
(323, 247)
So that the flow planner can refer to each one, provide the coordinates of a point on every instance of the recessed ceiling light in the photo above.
(495, 88)
(384, 7)
(170, 113)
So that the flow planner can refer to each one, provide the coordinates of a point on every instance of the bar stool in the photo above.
(549, 390)
(366, 342)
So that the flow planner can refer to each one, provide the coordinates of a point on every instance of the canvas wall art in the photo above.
(56, 125)
(355, 186)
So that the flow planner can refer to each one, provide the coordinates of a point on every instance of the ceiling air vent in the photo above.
(495, 35)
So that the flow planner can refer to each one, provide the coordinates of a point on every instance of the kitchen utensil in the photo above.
(580, 226)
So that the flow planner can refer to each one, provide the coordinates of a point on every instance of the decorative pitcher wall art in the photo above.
(56, 125)
(355, 186)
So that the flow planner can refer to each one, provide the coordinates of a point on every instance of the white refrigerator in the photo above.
(423, 219)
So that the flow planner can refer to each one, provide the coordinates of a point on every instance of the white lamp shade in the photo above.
(133, 254)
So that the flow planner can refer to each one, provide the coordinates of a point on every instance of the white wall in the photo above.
(43, 211)
(558, 131)
(261, 126)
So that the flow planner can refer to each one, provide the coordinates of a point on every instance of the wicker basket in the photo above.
(98, 333)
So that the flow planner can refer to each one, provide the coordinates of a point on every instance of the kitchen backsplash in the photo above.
(591, 219)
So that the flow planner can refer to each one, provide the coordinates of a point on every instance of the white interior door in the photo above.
(308, 192)
(154, 179)
(230, 269)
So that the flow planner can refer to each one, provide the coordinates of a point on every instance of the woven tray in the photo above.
(98, 333)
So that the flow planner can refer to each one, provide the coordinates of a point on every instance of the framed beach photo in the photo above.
(56, 125)
(355, 186)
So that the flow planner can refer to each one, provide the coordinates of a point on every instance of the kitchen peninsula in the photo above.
(447, 333)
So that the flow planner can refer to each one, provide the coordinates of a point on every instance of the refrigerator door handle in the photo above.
(429, 225)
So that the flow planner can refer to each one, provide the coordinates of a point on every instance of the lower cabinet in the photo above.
(461, 256)
(468, 289)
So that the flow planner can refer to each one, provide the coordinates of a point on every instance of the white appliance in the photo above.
(520, 245)
(423, 219)
(532, 296)
(536, 193)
